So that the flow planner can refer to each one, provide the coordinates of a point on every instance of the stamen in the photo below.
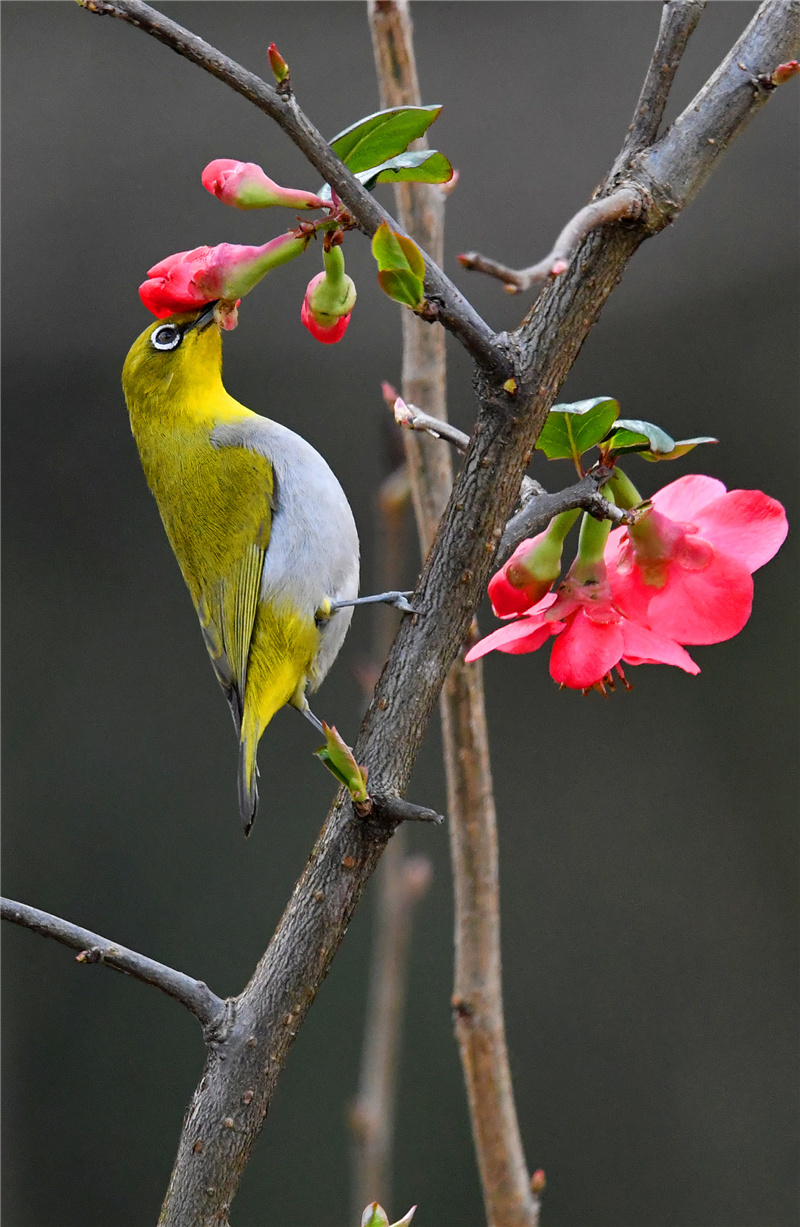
(623, 679)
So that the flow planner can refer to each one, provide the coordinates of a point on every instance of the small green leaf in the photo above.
(634, 435)
(338, 758)
(401, 266)
(377, 137)
(572, 429)
(680, 449)
(401, 286)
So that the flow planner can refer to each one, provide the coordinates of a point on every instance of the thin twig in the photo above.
(447, 304)
(678, 20)
(401, 881)
(194, 994)
(414, 418)
(625, 204)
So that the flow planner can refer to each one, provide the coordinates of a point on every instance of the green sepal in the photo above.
(572, 429)
(401, 267)
(338, 758)
(374, 139)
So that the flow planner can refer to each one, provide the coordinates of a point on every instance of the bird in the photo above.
(260, 526)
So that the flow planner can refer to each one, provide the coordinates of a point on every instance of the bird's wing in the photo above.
(227, 612)
(222, 557)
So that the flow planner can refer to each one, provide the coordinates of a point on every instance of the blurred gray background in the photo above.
(648, 846)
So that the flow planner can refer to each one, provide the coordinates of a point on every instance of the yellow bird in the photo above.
(261, 529)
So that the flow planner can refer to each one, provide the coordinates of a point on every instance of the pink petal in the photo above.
(631, 595)
(645, 647)
(585, 651)
(706, 606)
(526, 635)
(682, 499)
(746, 524)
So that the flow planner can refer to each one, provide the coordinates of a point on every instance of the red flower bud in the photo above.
(785, 72)
(329, 300)
(245, 186)
(190, 279)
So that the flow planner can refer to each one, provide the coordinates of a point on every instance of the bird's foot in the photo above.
(397, 599)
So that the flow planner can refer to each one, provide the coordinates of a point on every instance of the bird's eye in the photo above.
(166, 337)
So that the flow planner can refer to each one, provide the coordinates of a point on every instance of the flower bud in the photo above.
(531, 570)
(329, 300)
(190, 279)
(280, 69)
(245, 186)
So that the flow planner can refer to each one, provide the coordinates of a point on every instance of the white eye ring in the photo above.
(166, 337)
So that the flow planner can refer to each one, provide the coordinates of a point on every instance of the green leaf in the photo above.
(634, 435)
(372, 140)
(680, 449)
(401, 286)
(420, 166)
(572, 429)
(401, 267)
(338, 758)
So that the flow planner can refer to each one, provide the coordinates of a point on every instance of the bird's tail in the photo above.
(248, 781)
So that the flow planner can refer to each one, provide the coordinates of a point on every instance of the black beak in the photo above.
(204, 318)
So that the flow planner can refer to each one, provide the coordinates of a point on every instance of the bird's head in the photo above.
(181, 354)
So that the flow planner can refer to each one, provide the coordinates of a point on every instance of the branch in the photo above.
(677, 166)
(194, 994)
(678, 20)
(413, 418)
(447, 304)
(624, 204)
(404, 880)
(243, 1067)
(506, 1188)
(537, 513)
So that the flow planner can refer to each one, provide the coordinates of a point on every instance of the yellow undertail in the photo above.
(281, 652)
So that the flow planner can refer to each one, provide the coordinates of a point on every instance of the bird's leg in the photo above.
(309, 715)
(397, 599)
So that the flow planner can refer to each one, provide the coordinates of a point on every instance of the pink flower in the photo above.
(592, 636)
(685, 568)
(190, 279)
(245, 186)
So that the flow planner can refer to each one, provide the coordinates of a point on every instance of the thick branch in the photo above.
(678, 20)
(194, 994)
(448, 304)
(677, 166)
